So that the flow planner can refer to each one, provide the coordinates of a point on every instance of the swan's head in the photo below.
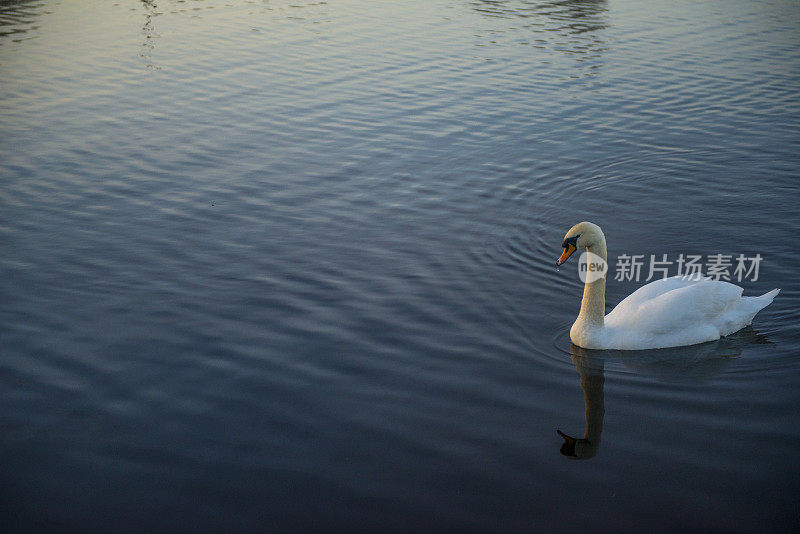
(582, 235)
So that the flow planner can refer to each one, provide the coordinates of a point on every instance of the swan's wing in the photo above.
(676, 306)
(652, 290)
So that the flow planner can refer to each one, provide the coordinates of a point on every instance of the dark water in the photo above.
(288, 266)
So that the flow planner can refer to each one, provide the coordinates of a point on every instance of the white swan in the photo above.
(671, 312)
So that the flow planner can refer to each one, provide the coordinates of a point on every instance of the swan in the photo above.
(672, 312)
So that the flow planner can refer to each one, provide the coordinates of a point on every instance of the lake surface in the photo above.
(289, 265)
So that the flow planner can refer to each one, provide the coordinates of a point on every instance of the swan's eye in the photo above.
(571, 241)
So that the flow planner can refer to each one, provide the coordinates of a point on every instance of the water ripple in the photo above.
(305, 250)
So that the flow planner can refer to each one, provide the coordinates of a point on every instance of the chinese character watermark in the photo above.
(632, 268)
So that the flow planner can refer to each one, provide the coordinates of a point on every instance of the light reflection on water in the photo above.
(290, 263)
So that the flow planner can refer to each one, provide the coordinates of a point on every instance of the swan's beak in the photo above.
(568, 250)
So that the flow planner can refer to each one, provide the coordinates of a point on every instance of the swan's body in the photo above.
(671, 312)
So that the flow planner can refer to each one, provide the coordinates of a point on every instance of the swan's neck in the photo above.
(593, 305)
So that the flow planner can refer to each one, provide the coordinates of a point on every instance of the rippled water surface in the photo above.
(289, 266)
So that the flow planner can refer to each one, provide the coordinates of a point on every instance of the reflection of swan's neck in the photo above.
(592, 386)
(592, 380)
(593, 305)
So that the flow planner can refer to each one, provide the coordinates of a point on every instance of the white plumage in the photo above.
(671, 312)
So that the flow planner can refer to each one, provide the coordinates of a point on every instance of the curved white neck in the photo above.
(593, 305)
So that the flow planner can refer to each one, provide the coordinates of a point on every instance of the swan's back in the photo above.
(680, 311)
(652, 290)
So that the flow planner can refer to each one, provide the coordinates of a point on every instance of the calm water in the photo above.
(289, 265)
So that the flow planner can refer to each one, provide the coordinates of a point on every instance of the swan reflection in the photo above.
(687, 365)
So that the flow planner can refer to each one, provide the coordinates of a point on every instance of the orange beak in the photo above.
(568, 250)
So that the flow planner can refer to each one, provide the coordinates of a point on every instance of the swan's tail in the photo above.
(756, 304)
(767, 298)
(743, 314)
